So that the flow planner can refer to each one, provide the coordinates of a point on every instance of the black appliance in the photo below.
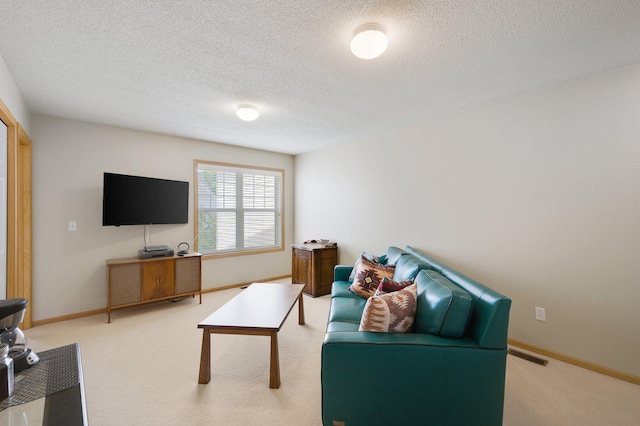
(11, 315)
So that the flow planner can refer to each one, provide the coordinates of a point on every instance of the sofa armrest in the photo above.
(342, 272)
(430, 379)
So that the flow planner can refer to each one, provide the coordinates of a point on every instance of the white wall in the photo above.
(69, 158)
(538, 197)
(12, 98)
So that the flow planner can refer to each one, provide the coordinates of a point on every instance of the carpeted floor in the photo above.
(142, 369)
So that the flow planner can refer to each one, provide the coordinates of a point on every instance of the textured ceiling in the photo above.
(181, 67)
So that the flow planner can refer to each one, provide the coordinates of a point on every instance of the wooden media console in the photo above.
(133, 281)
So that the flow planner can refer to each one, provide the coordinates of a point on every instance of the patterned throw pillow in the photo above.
(370, 257)
(368, 277)
(389, 286)
(390, 313)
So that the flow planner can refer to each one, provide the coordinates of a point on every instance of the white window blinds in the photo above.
(239, 208)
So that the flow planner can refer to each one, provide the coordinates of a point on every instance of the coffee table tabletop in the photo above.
(260, 310)
(259, 306)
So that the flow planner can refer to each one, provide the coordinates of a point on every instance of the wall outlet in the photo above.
(73, 226)
(541, 314)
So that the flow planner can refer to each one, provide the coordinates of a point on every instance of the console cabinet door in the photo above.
(158, 279)
(124, 284)
(188, 272)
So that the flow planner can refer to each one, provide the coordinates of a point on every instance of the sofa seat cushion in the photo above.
(348, 309)
(368, 277)
(444, 308)
(390, 313)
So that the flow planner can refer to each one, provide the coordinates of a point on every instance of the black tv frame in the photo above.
(141, 200)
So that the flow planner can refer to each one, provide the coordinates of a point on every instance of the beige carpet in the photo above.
(142, 369)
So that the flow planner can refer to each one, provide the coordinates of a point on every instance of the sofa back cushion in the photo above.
(443, 308)
(407, 267)
(393, 254)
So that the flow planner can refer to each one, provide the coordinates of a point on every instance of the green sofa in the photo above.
(425, 377)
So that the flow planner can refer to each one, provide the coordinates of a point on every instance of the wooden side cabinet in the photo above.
(312, 265)
(133, 281)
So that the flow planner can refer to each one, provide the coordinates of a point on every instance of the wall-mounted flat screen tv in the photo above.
(138, 200)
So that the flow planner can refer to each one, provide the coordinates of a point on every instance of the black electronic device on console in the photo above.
(156, 248)
(148, 254)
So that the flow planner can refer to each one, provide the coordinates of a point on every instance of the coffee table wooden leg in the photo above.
(274, 374)
(205, 358)
(300, 310)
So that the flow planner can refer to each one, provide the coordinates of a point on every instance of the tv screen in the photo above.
(137, 200)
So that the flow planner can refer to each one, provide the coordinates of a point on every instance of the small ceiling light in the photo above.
(247, 112)
(369, 41)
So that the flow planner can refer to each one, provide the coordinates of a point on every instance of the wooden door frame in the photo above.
(19, 212)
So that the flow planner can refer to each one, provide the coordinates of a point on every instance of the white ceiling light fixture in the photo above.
(247, 112)
(369, 41)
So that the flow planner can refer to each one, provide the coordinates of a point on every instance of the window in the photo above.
(238, 208)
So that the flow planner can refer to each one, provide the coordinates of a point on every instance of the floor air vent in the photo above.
(528, 357)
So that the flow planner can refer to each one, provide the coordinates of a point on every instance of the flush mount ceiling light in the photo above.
(369, 41)
(247, 112)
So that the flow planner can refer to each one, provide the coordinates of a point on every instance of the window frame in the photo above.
(248, 169)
